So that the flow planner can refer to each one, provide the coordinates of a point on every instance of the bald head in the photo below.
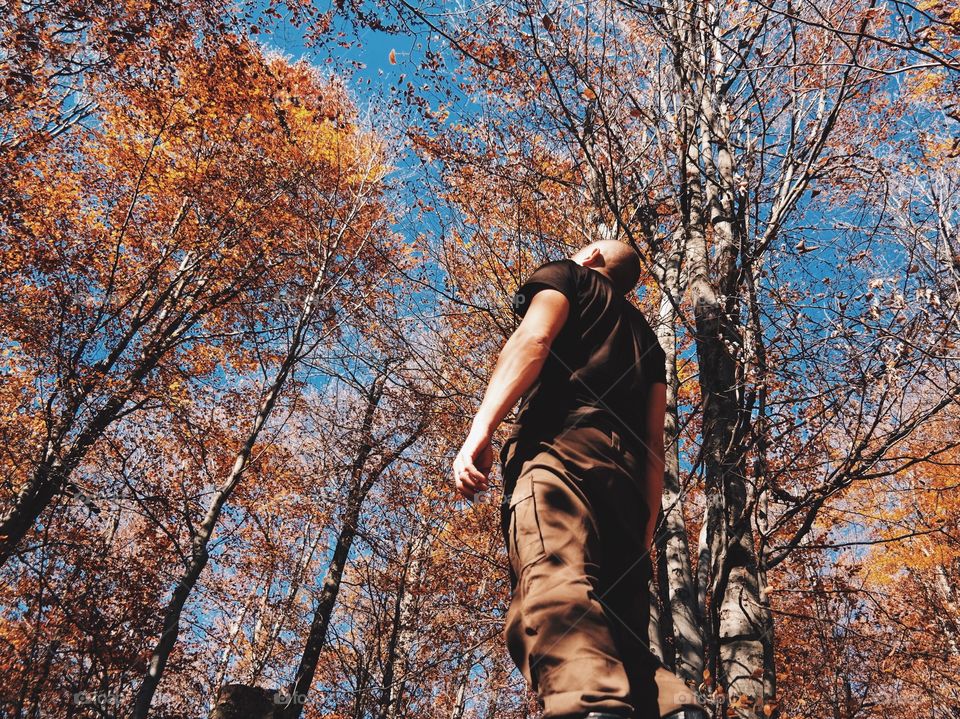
(616, 260)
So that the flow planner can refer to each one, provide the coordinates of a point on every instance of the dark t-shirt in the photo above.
(602, 362)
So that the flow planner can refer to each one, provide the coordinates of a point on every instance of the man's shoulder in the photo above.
(564, 264)
(563, 267)
(560, 275)
(643, 326)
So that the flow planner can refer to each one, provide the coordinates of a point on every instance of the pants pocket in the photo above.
(525, 532)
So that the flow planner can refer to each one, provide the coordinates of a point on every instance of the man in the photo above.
(583, 478)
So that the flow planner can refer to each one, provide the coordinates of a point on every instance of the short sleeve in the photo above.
(656, 363)
(559, 275)
(654, 359)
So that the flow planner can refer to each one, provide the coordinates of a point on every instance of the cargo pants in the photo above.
(573, 516)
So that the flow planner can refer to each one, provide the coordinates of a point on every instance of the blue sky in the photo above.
(360, 56)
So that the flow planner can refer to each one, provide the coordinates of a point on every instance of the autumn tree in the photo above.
(55, 52)
(215, 227)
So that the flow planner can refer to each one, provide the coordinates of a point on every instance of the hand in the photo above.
(471, 467)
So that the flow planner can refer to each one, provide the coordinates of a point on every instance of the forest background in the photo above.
(256, 264)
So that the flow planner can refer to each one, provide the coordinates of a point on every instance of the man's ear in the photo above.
(594, 258)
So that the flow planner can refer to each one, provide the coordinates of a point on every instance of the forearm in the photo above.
(653, 486)
(518, 366)
(653, 469)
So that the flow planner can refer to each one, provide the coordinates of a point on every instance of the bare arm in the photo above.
(522, 358)
(653, 438)
(518, 366)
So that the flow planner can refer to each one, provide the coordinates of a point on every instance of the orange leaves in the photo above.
(154, 271)
(927, 82)
(167, 245)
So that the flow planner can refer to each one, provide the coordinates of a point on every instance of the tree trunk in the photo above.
(404, 627)
(239, 701)
(59, 456)
(199, 556)
(360, 484)
(460, 701)
(324, 611)
(199, 553)
(660, 633)
(679, 588)
(737, 646)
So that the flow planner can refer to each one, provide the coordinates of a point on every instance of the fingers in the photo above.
(467, 487)
(469, 480)
(484, 460)
(478, 478)
(465, 491)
